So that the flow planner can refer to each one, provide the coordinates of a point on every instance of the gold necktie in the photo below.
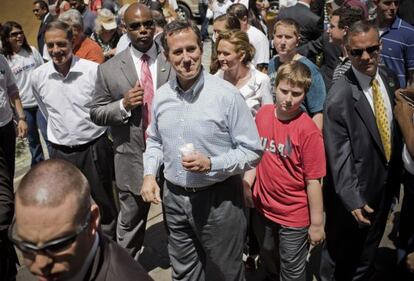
(381, 118)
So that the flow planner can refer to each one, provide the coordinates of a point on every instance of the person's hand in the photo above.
(410, 262)
(196, 162)
(134, 97)
(403, 110)
(248, 195)
(360, 215)
(316, 234)
(150, 191)
(22, 129)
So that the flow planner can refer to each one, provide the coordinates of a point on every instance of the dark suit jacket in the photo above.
(331, 54)
(113, 263)
(357, 169)
(41, 32)
(116, 77)
(357, 174)
(310, 28)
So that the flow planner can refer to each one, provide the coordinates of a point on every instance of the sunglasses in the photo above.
(16, 33)
(137, 25)
(52, 247)
(369, 50)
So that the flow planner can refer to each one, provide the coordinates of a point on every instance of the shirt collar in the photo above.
(85, 267)
(74, 67)
(363, 79)
(152, 52)
(195, 89)
(397, 23)
(304, 4)
(45, 17)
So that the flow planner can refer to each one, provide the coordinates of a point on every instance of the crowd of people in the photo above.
(298, 134)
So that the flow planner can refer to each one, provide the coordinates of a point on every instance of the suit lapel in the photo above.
(364, 110)
(163, 67)
(128, 68)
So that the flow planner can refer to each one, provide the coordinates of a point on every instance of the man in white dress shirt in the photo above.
(257, 38)
(63, 87)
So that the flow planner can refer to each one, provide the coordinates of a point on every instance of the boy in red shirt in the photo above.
(287, 192)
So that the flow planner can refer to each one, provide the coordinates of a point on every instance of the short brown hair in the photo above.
(296, 73)
(240, 41)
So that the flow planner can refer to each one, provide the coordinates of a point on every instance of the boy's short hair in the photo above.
(288, 22)
(296, 73)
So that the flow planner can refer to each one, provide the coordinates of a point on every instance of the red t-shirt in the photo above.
(293, 153)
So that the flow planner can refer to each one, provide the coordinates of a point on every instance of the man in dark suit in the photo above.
(363, 148)
(54, 209)
(124, 91)
(41, 11)
(310, 25)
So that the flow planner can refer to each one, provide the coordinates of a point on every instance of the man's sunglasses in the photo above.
(51, 248)
(359, 52)
(137, 25)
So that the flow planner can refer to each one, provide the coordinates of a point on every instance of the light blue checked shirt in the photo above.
(213, 116)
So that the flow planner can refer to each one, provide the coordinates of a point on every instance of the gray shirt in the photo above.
(8, 89)
(213, 116)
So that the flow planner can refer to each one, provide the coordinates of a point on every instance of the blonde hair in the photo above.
(295, 73)
(290, 23)
(241, 43)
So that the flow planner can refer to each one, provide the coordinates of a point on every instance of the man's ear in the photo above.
(95, 218)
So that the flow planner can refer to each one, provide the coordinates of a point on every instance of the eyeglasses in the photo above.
(51, 248)
(16, 33)
(369, 50)
(137, 25)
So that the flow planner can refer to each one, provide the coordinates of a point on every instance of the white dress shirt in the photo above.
(365, 81)
(63, 100)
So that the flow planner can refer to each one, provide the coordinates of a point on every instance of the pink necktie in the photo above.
(146, 84)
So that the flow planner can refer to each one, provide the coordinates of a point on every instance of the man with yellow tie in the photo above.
(363, 148)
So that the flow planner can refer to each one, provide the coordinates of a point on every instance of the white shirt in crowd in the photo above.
(220, 7)
(64, 101)
(122, 43)
(260, 43)
(257, 91)
(8, 88)
(22, 66)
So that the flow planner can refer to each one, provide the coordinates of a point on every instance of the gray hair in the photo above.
(73, 18)
(360, 27)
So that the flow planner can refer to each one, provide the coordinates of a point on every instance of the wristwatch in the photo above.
(22, 118)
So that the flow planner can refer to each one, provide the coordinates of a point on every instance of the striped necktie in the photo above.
(381, 118)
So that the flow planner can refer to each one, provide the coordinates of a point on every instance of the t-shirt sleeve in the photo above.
(313, 154)
(409, 54)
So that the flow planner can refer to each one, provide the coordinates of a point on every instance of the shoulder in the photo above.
(260, 76)
(265, 111)
(340, 92)
(312, 67)
(91, 44)
(122, 266)
(43, 69)
(219, 86)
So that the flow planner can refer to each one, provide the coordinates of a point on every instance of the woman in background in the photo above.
(23, 59)
(235, 53)
(106, 33)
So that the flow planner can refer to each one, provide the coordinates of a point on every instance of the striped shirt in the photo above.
(341, 68)
(398, 49)
(213, 116)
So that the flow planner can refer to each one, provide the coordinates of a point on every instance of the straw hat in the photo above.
(107, 19)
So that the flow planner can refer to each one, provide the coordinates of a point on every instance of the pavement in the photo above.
(155, 254)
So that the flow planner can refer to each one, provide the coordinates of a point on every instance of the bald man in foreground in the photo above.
(57, 229)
